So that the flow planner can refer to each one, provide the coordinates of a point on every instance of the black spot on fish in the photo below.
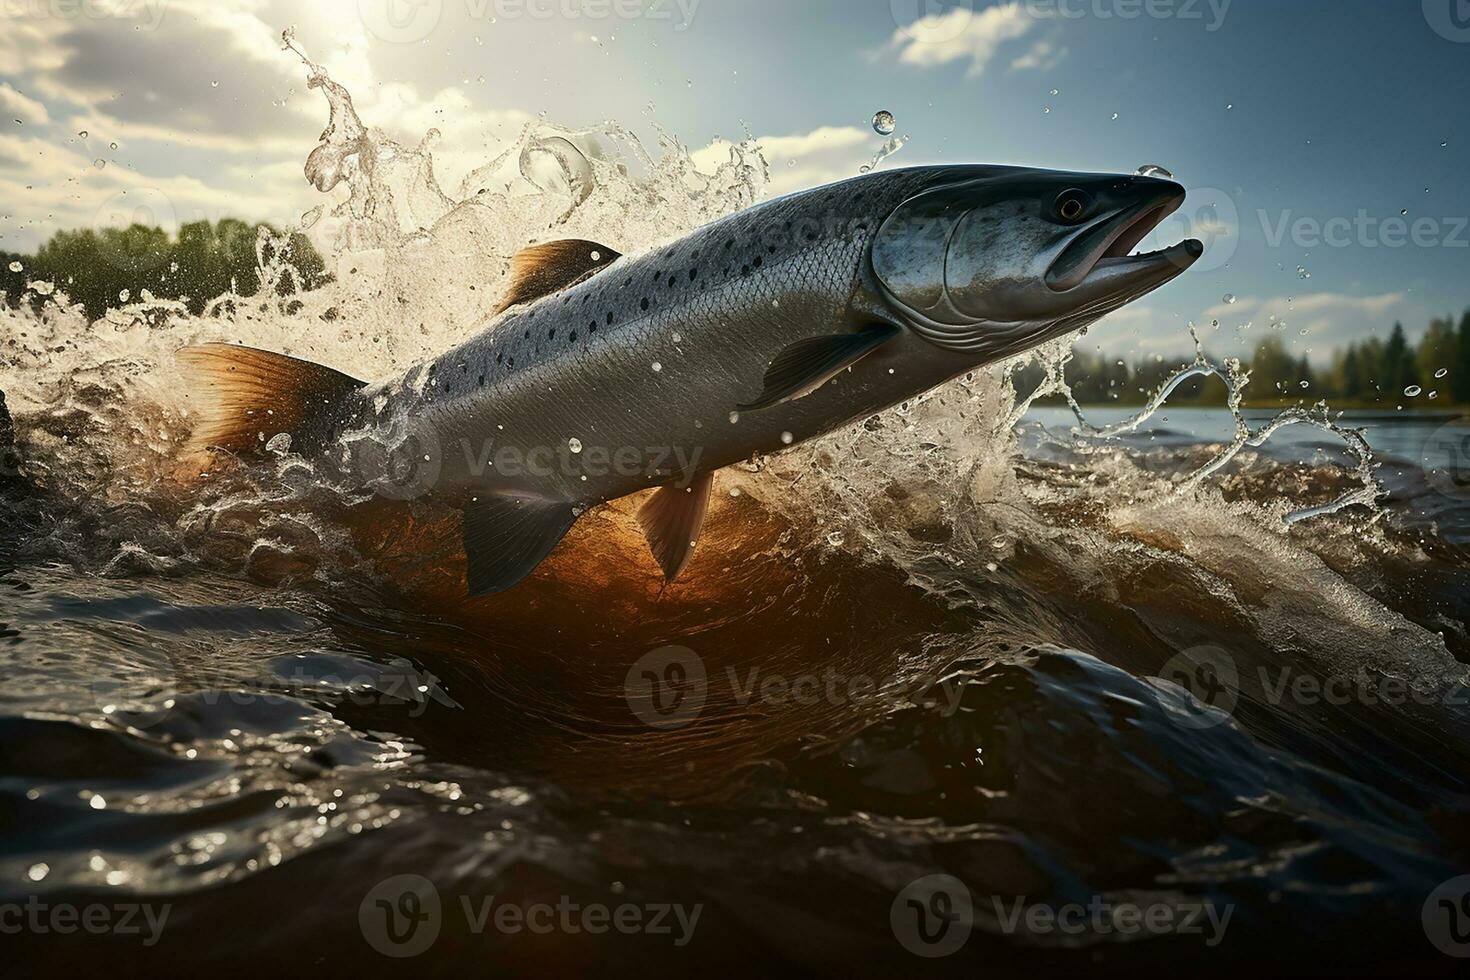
(643, 303)
(757, 262)
(693, 274)
(572, 338)
(482, 381)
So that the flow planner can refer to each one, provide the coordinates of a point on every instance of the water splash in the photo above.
(1054, 357)
(890, 147)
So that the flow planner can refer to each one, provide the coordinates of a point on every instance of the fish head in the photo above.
(998, 263)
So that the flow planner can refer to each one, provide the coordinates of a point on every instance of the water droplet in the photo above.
(574, 444)
(1413, 391)
(1046, 110)
(99, 163)
(214, 84)
(1229, 106)
(1115, 115)
(596, 255)
(1056, 92)
(1229, 298)
(16, 267)
(98, 802)
(1441, 373)
(1302, 273)
(734, 417)
(835, 539)
(1154, 170)
(883, 123)
(38, 871)
(83, 134)
(787, 438)
(657, 366)
(112, 145)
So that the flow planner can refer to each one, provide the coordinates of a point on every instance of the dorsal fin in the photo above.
(249, 393)
(550, 267)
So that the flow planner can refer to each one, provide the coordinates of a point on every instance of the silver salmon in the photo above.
(604, 374)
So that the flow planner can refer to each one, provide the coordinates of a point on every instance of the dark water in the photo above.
(232, 724)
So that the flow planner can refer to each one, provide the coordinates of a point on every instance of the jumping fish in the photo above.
(603, 374)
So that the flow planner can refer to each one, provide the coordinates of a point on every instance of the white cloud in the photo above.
(960, 33)
(1043, 56)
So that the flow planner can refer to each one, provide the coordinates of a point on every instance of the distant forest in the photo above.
(205, 259)
(1374, 372)
(96, 268)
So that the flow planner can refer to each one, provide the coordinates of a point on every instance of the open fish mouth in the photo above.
(1102, 259)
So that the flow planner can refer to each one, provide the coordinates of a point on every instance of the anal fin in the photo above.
(672, 520)
(506, 535)
(806, 365)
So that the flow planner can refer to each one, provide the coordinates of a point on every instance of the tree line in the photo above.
(1373, 372)
(99, 267)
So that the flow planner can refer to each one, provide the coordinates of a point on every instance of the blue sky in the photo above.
(1337, 112)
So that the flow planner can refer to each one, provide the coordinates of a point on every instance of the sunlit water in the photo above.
(248, 698)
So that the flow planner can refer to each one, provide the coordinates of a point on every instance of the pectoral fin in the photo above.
(672, 519)
(808, 364)
(507, 535)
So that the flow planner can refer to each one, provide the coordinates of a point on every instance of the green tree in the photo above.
(1399, 370)
(1274, 374)
(1460, 371)
(1437, 352)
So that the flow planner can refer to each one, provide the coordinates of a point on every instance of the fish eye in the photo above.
(1071, 205)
